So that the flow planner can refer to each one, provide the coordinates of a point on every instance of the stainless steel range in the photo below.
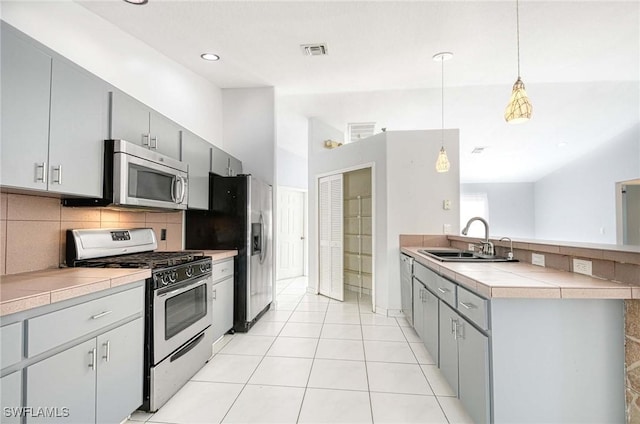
(178, 335)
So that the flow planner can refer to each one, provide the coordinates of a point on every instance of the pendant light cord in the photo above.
(518, 33)
(442, 100)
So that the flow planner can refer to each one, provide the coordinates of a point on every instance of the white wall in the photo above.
(577, 202)
(292, 169)
(415, 194)
(249, 129)
(511, 208)
(123, 61)
(408, 194)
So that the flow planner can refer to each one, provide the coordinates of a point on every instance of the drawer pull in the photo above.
(101, 314)
(443, 290)
(468, 305)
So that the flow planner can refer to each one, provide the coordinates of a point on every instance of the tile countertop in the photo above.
(19, 292)
(522, 280)
(217, 255)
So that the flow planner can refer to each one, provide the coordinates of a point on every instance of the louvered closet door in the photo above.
(331, 237)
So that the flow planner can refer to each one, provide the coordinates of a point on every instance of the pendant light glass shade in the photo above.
(442, 164)
(519, 108)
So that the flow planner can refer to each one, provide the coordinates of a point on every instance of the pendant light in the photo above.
(519, 108)
(442, 164)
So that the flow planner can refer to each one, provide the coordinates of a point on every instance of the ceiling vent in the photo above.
(478, 150)
(359, 130)
(314, 49)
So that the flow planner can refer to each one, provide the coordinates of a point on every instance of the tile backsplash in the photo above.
(33, 229)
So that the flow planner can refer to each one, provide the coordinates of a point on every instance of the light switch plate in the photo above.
(446, 205)
(537, 259)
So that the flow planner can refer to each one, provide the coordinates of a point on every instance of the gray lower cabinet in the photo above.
(118, 384)
(98, 381)
(134, 121)
(449, 346)
(26, 87)
(473, 371)
(222, 273)
(196, 152)
(222, 307)
(418, 306)
(65, 383)
(10, 400)
(224, 164)
(430, 319)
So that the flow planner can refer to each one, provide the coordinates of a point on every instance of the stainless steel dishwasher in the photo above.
(406, 293)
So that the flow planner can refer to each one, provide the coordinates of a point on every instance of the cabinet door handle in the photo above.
(93, 357)
(146, 139)
(42, 167)
(443, 290)
(101, 314)
(468, 305)
(154, 145)
(215, 294)
(58, 169)
(453, 326)
(107, 351)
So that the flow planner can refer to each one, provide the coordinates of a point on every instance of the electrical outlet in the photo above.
(471, 246)
(163, 234)
(537, 259)
(582, 266)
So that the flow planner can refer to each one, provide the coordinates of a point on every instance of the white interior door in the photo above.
(330, 226)
(291, 242)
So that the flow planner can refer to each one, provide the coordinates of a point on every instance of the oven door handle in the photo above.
(193, 343)
(199, 282)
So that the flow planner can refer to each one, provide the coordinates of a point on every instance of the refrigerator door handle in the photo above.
(263, 244)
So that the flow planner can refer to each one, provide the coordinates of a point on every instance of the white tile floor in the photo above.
(316, 360)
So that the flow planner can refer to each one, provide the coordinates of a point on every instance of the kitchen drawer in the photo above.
(222, 269)
(11, 344)
(53, 329)
(473, 307)
(444, 289)
(424, 274)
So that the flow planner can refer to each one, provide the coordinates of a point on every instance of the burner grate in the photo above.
(144, 260)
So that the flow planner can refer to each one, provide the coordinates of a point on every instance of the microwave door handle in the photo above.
(183, 188)
(173, 190)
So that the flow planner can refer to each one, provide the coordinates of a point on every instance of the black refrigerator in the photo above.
(240, 218)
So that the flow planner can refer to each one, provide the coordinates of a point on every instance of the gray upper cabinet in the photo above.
(54, 120)
(133, 121)
(197, 153)
(79, 126)
(26, 86)
(224, 164)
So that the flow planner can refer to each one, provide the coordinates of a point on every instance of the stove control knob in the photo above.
(189, 271)
(173, 276)
(164, 279)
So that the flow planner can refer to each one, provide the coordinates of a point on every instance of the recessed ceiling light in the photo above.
(137, 2)
(563, 144)
(210, 57)
(319, 49)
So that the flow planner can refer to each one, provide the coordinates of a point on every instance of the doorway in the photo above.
(345, 234)
(627, 217)
(291, 248)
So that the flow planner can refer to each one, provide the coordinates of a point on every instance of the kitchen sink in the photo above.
(463, 256)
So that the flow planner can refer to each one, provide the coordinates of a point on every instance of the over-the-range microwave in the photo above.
(136, 177)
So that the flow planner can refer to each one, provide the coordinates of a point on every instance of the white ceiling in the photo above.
(567, 49)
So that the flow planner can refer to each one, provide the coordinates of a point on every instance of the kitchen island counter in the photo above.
(523, 280)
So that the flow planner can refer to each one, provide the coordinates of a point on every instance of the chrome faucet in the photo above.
(487, 246)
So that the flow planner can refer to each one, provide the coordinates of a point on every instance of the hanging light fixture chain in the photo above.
(518, 33)
(442, 101)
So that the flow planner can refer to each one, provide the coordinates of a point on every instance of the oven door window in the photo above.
(145, 183)
(184, 309)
